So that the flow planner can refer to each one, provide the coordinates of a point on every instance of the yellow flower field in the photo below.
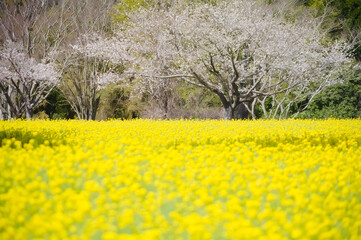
(147, 179)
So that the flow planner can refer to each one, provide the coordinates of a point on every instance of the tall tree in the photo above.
(24, 67)
(49, 28)
(85, 71)
(30, 80)
(240, 50)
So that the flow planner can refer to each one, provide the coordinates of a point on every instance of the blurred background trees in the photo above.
(343, 19)
(93, 87)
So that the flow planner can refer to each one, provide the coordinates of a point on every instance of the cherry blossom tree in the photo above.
(28, 38)
(89, 66)
(49, 28)
(240, 50)
(24, 82)
(79, 25)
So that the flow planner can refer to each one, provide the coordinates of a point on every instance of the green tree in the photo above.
(55, 106)
(116, 102)
(342, 100)
(343, 9)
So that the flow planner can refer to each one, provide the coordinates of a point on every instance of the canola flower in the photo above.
(147, 179)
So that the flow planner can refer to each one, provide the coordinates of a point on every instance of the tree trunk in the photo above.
(9, 112)
(95, 108)
(238, 112)
(8, 104)
(89, 110)
(28, 112)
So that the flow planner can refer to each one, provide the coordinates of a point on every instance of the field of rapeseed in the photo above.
(147, 179)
